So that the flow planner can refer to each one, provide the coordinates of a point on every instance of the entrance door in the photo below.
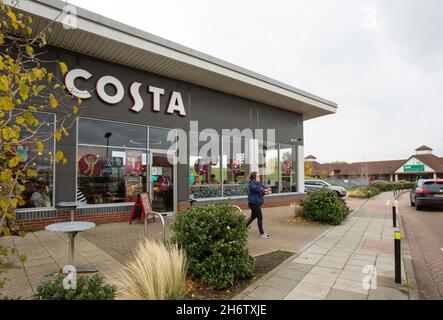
(162, 177)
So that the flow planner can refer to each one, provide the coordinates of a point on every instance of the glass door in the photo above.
(162, 178)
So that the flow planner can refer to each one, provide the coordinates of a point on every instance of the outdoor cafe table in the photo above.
(72, 228)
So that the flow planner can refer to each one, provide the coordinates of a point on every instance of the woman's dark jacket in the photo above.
(256, 192)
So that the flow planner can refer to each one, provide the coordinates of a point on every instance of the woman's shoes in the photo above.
(265, 236)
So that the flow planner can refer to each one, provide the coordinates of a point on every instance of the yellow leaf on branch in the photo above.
(40, 146)
(30, 51)
(59, 156)
(53, 101)
(63, 67)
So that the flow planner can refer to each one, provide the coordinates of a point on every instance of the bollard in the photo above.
(397, 253)
(394, 214)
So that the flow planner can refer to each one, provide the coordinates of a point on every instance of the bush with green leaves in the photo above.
(215, 240)
(324, 206)
(390, 186)
(87, 288)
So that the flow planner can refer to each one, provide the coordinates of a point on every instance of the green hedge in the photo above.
(325, 206)
(215, 240)
(215, 191)
(390, 186)
(88, 288)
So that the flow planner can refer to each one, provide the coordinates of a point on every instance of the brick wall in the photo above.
(123, 216)
(39, 224)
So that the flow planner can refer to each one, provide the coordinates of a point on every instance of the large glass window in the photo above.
(38, 191)
(287, 168)
(236, 168)
(106, 133)
(110, 175)
(204, 168)
(161, 139)
(268, 167)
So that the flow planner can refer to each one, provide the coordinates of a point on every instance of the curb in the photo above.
(305, 247)
(411, 280)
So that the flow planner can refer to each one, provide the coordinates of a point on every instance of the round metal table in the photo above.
(72, 228)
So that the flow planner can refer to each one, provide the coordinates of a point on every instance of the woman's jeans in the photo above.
(256, 213)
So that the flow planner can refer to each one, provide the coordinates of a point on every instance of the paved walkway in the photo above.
(339, 262)
(109, 246)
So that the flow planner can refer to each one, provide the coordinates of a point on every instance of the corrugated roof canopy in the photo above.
(110, 40)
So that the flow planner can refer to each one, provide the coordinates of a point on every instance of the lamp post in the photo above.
(107, 136)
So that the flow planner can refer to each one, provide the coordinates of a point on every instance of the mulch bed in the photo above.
(263, 264)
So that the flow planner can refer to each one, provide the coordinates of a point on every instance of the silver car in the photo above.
(314, 185)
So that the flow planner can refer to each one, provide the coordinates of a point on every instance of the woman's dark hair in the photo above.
(253, 176)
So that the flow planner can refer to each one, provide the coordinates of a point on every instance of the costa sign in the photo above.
(175, 103)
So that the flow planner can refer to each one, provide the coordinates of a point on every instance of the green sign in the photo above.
(413, 167)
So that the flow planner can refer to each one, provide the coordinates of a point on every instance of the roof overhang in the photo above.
(113, 41)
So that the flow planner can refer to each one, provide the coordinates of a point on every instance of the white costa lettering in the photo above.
(175, 103)
(70, 78)
(110, 80)
(134, 90)
(156, 93)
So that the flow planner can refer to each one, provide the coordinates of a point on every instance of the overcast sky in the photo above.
(381, 61)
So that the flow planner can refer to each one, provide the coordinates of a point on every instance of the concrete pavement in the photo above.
(109, 246)
(348, 262)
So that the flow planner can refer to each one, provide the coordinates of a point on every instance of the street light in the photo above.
(107, 136)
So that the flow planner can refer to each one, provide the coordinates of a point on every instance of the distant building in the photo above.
(422, 165)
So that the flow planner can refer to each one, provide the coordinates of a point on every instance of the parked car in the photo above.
(314, 185)
(427, 193)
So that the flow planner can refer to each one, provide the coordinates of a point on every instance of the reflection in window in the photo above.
(158, 138)
(204, 168)
(235, 167)
(287, 168)
(38, 191)
(110, 175)
(114, 134)
(268, 167)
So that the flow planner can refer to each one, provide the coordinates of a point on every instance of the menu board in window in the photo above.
(134, 186)
(133, 162)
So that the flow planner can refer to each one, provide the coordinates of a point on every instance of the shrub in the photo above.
(157, 272)
(390, 186)
(324, 206)
(363, 192)
(215, 240)
(88, 288)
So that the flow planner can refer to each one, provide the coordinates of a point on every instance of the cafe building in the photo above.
(140, 93)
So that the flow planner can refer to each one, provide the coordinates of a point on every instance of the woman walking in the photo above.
(255, 201)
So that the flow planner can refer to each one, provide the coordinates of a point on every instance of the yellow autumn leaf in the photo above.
(4, 83)
(13, 162)
(65, 161)
(31, 173)
(75, 110)
(53, 101)
(30, 19)
(50, 76)
(24, 91)
(59, 156)
(57, 135)
(63, 67)
(40, 146)
(65, 131)
(21, 187)
(30, 51)
(19, 120)
(11, 15)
